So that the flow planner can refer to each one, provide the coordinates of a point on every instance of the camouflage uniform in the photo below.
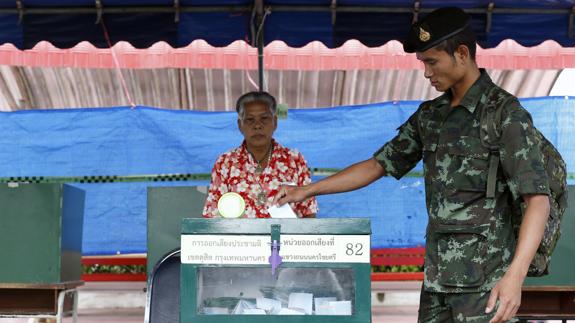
(470, 239)
(454, 307)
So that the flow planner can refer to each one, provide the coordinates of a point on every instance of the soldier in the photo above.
(474, 264)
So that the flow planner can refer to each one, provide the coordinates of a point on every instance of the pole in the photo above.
(259, 7)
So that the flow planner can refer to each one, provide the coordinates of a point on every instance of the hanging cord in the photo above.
(267, 11)
(252, 42)
(570, 31)
(333, 8)
(176, 11)
(98, 11)
(252, 82)
(255, 35)
(20, 8)
(117, 65)
(416, 7)
(489, 17)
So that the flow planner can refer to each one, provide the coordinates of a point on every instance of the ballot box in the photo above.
(41, 238)
(41, 233)
(167, 206)
(275, 270)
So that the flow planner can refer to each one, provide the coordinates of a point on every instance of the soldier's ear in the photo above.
(462, 52)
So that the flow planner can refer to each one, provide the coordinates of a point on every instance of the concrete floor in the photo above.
(394, 302)
(396, 315)
(400, 314)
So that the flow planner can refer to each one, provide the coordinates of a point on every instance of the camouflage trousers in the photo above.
(454, 307)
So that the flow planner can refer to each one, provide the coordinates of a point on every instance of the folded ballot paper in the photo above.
(216, 310)
(282, 212)
(254, 311)
(244, 307)
(271, 306)
(302, 301)
(289, 311)
(321, 305)
(299, 304)
(334, 308)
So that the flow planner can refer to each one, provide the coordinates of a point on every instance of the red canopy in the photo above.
(240, 56)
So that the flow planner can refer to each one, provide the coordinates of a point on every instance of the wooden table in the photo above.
(547, 303)
(39, 300)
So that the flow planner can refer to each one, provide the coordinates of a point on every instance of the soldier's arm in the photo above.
(351, 178)
(397, 157)
(508, 290)
(525, 173)
(530, 232)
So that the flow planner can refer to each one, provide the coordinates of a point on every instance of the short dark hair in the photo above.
(466, 37)
(256, 96)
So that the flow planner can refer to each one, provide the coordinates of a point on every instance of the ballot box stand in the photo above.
(41, 239)
(231, 270)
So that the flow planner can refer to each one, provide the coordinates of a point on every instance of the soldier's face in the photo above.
(442, 69)
(258, 124)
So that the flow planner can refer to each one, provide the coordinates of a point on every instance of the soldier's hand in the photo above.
(508, 292)
(289, 194)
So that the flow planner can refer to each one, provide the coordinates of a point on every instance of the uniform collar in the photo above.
(473, 96)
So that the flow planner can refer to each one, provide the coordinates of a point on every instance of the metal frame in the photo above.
(277, 8)
(151, 282)
(59, 314)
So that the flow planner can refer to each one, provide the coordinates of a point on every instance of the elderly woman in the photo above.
(260, 165)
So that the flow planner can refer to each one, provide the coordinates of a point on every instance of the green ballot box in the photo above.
(41, 249)
(275, 270)
(167, 206)
(40, 233)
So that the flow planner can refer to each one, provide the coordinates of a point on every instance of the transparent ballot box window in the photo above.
(291, 291)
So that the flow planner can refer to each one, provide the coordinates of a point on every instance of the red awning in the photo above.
(278, 56)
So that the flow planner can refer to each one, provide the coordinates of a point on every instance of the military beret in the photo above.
(434, 28)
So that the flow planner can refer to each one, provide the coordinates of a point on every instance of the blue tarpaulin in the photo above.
(531, 23)
(125, 141)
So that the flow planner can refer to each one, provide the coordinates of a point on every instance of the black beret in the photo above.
(434, 28)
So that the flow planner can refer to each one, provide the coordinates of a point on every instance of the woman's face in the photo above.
(258, 124)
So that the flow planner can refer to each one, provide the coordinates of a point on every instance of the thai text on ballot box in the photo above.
(275, 270)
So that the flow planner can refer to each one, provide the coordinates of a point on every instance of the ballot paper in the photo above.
(216, 310)
(242, 306)
(272, 306)
(341, 307)
(333, 308)
(323, 309)
(302, 301)
(322, 302)
(254, 311)
(289, 311)
(282, 212)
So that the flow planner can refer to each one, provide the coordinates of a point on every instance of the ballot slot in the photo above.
(292, 291)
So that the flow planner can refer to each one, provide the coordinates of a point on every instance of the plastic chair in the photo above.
(163, 297)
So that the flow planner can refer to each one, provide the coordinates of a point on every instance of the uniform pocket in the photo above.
(461, 250)
(468, 164)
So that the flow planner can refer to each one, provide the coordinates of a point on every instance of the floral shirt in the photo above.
(235, 171)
